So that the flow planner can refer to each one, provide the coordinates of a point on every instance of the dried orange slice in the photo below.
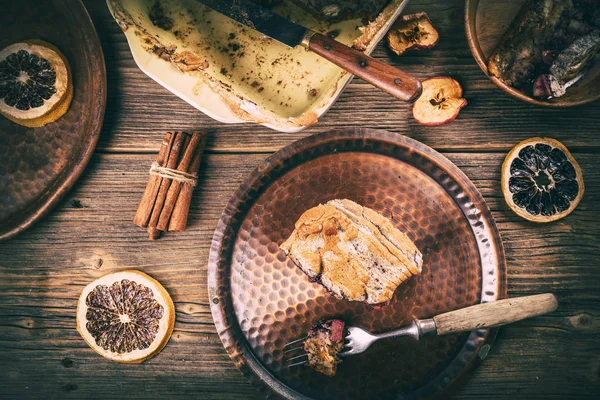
(541, 180)
(35, 83)
(125, 316)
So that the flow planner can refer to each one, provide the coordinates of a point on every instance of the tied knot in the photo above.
(173, 174)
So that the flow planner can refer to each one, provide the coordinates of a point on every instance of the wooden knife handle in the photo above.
(387, 78)
(495, 313)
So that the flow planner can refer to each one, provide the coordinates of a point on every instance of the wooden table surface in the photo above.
(43, 271)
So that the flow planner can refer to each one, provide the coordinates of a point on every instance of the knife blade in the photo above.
(387, 78)
(260, 19)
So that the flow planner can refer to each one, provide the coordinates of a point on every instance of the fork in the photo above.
(479, 316)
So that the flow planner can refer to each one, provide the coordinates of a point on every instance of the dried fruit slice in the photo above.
(440, 101)
(412, 32)
(35, 83)
(125, 316)
(541, 181)
(324, 343)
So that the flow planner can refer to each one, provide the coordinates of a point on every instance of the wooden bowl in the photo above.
(485, 23)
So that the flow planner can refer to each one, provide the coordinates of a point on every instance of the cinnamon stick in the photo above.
(142, 215)
(181, 210)
(175, 188)
(165, 183)
(153, 233)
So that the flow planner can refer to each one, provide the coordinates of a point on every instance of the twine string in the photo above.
(173, 174)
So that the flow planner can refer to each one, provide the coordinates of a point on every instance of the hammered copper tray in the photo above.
(260, 300)
(39, 165)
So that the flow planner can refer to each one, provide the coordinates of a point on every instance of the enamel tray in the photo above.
(242, 75)
(40, 165)
(260, 300)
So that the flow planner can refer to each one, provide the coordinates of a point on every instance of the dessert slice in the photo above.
(324, 342)
(353, 251)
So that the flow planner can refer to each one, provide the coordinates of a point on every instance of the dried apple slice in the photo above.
(412, 32)
(440, 101)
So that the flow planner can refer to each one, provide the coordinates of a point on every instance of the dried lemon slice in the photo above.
(541, 180)
(125, 316)
(35, 83)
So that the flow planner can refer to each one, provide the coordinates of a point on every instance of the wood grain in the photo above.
(42, 272)
(496, 313)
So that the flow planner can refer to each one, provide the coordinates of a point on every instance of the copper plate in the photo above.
(39, 165)
(260, 300)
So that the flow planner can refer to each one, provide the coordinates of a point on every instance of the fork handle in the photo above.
(496, 313)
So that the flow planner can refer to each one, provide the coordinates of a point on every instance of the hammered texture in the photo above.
(272, 302)
(33, 158)
(40, 164)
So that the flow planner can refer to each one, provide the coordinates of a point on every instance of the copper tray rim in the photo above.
(62, 185)
(244, 358)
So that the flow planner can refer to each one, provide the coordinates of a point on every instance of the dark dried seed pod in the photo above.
(535, 205)
(565, 172)
(7, 72)
(547, 206)
(522, 199)
(527, 154)
(519, 169)
(542, 152)
(519, 184)
(568, 189)
(557, 158)
(13, 61)
(11, 98)
(44, 64)
(559, 201)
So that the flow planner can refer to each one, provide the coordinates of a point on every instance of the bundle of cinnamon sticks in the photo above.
(166, 201)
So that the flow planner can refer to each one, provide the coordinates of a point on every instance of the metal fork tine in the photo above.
(294, 349)
(295, 341)
(345, 353)
(297, 357)
(298, 364)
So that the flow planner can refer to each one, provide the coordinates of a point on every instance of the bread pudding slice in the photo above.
(324, 342)
(353, 251)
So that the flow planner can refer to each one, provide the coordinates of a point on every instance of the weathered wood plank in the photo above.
(139, 109)
(91, 233)
(519, 365)
(43, 271)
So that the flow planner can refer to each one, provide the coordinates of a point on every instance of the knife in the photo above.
(387, 78)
